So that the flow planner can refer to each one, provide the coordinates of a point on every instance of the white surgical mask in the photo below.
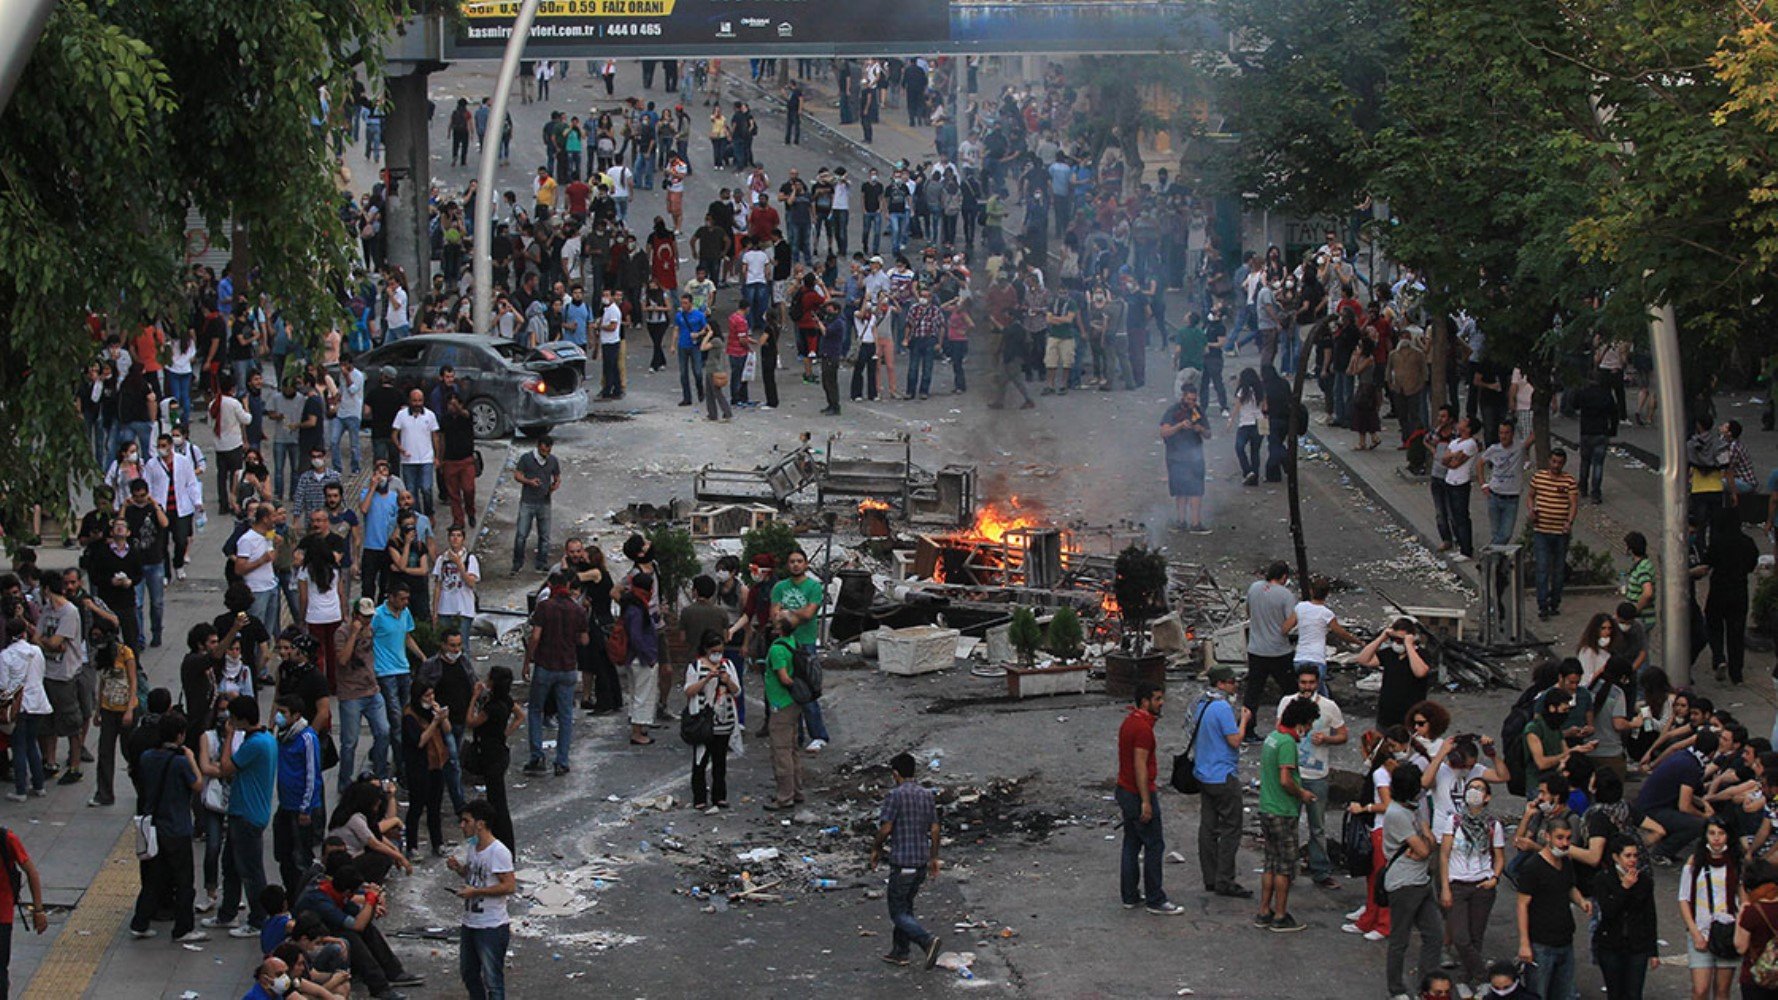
(715, 657)
(1398, 648)
(1560, 852)
(281, 983)
(318, 463)
(1475, 797)
(1546, 807)
(451, 657)
(1604, 641)
(724, 576)
(1400, 755)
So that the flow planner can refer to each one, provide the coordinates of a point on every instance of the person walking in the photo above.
(1555, 500)
(1215, 746)
(1281, 799)
(1625, 936)
(1732, 557)
(558, 628)
(1408, 848)
(908, 823)
(712, 684)
(1144, 849)
(1599, 418)
(486, 867)
(539, 475)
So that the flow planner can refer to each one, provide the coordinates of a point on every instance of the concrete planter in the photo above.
(1122, 671)
(921, 649)
(1035, 682)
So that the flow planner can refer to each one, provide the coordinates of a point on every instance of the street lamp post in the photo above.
(490, 152)
(27, 18)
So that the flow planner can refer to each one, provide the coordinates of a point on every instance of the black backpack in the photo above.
(1512, 738)
(796, 306)
(805, 673)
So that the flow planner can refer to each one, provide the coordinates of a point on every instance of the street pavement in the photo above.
(643, 931)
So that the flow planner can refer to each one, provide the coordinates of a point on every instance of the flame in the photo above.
(993, 520)
(1108, 604)
(872, 503)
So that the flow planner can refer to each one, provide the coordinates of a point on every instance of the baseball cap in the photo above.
(366, 606)
(1221, 675)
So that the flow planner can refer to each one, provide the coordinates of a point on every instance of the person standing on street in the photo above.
(1460, 463)
(558, 629)
(1215, 754)
(169, 777)
(252, 771)
(1555, 499)
(1503, 481)
(1329, 730)
(1732, 557)
(1413, 905)
(417, 439)
(908, 823)
(1545, 921)
(488, 878)
(20, 870)
(1281, 799)
(799, 596)
(784, 714)
(1599, 417)
(1137, 798)
(539, 474)
(1269, 604)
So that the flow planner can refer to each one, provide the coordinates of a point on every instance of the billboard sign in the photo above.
(577, 28)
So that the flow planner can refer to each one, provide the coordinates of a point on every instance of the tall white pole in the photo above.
(27, 18)
(485, 194)
(1674, 600)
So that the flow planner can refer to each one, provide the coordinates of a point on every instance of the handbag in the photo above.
(719, 378)
(472, 758)
(330, 752)
(9, 707)
(698, 728)
(216, 793)
(1355, 843)
(1184, 781)
(1381, 894)
(1763, 970)
(1720, 939)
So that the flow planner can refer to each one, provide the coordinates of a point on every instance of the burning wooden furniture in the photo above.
(776, 482)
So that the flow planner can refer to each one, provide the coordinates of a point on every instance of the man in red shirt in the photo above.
(13, 855)
(1137, 799)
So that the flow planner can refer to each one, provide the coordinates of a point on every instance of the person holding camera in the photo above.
(712, 683)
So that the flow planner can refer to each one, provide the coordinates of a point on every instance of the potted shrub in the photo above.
(1025, 635)
(1065, 638)
(1140, 586)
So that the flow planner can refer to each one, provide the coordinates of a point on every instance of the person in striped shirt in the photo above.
(1555, 498)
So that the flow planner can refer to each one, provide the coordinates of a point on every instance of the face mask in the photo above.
(1717, 851)
(1560, 852)
(281, 984)
(178, 442)
(1604, 641)
(1546, 807)
(1475, 798)
(724, 576)
(1399, 756)
(166, 449)
(129, 456)
(279, 720)
(715, 657)
(451, 657)
(318, 463)
(1555, 718)
(1398, 648)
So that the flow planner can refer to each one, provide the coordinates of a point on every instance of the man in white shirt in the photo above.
(455, 573)
(1312, 766)
(173, 483)
(1313, 621)
(415, 431)
(254, 552)
(610, 351)
(232, 419)
(350, 412)
(621, 179)
(756, 288)
(487, 870)
(1460, 463)
(395, 316)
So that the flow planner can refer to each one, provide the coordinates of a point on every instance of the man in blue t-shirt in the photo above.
(378, 507)
(391, 631)
(1215, 754)
(252, 768)
(1673, 795)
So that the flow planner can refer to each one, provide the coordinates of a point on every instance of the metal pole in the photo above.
(27, 18)
(484, 202)
(1674, 600)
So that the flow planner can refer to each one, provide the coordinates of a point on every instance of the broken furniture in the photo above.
(730, 519)
(776, 483)
(890, 481)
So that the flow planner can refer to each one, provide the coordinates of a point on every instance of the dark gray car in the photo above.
(506, 386)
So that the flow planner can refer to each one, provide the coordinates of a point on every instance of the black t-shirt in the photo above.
(492, 733)
(897, 196)
(306, 682)
(197, 685)
(308, 439)
(457, 431)
(1551, 916)
(147, 537)
(385, 401)
(1401, 690)
(252, 636)
(872, 192)
(132, 402)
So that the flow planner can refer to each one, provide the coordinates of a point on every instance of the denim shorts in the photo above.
(1696, 959)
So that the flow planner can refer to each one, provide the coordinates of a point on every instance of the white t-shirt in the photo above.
(324, 605)
(263, 577)
(1448, 787)
(867, 329)
(182, 358)
(1379, 780)
(396, 312)
(611, 324)
(842, 196)
(231, 426)
(1470, 862)
(1311, 760)
(481, 869)
(1311, 631)
(1701, 889)
(1461, 474)
(620, 181)
(754, 265)
(455, 595)
(414, 434)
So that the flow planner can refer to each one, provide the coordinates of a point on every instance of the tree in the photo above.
(1139, 584)
(675, 561)
(1025, 635)
(1064, 636)
(128, 113)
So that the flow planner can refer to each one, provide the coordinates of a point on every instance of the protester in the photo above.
(1138, 799)
(713, 686)
(1625, 937)
(908, 824)
(1709, 902)
(487, 870)
(1408, 848)
(1215, 747)
(1281, 799)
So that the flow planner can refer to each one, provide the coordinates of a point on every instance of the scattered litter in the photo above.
(191, 947)
(1174, 857)
(1186, 991)
(189, 995)
(759, 854)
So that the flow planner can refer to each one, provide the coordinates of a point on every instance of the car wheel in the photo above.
(535, 430)
(486, 417)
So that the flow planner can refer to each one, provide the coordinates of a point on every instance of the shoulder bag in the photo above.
(1381, 894)
(1184, 781)
(1720, 939)
(147, 838)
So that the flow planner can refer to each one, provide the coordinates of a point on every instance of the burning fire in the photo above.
(993, 521)
(869, 504)
(1108, 604)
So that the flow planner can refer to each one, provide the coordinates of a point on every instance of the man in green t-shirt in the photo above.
(1281, 798)
(799, 597)
(1059, 349)
(787, 765)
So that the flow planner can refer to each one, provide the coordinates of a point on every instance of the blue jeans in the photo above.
(265, 608)
(623, 208)
(371, 709)
(418, 477)
(1247, 449)
(1553, 978)
(1551, 555)
(1319, 865)
(179, 387)
(1592, 464)
(242, 370)
(1342, 401)
(395, 333)
(1287, 348)
(27, 752)
(547, 684)
(691, 375)
(920, 357)
(1503, 515)
(759, 298)
(872, 238)
(151, 599)
(531, 515)
(957, 350)
(397, 689)
(346, 429)
(799, 240)
(142, 432)
(284, 458)
(243, 869)
(898, 231)
(904, 884)
(481, 960)
(1144, 848)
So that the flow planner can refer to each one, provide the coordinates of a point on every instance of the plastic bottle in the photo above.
(825, 883)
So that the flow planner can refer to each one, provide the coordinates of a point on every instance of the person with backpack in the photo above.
(169, 779)
(787, 765)
(19, 871)
(1756, 933)
(800, 597)
(1471, 860)
(115, 665)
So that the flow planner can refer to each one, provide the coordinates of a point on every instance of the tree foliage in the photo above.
(1064, 637)
(129, 112)
(1024, 634)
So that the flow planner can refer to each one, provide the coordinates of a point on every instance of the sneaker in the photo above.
(1287, 924)
(217, 923)
(1200, 529)
(243, 931)
(207, 903)
(1374, 935)
(86, 756)
(536, 767)
(16, 797)
(560, 769)
(1351, 928)
(1131, 906)
(39, 792)
(191, 937)
(896, 959)
(1355, 914)
(70, 777)
(1459, 558)
(143, 935)
(932, 948)
(1262, 920)
(96, 802)
(179, 574)
(816, 746)
(1449, 960)
(1167, 909)
(407, 979)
